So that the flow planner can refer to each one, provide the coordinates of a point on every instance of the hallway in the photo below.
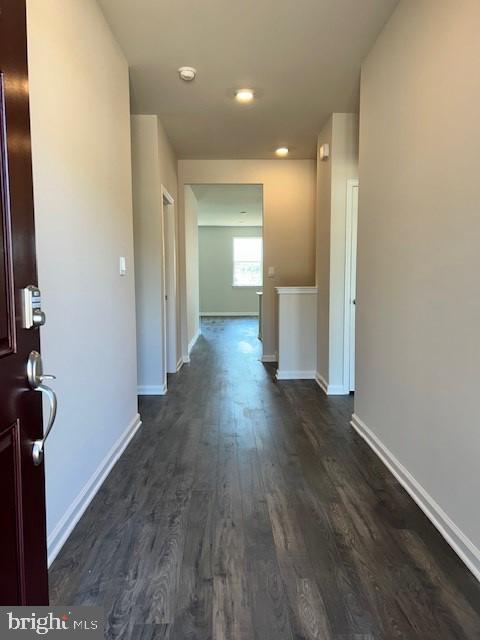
(245, 508)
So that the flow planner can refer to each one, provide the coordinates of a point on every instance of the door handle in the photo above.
(36, 379)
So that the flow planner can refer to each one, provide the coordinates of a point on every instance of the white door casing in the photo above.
(351, 223)
(169, 284)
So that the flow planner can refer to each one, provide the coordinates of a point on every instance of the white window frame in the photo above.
(247, 286)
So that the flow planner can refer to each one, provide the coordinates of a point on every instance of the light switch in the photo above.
(271, 272)
(122, 266)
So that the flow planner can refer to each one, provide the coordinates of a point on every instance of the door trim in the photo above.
(352, 183)
(169, 259)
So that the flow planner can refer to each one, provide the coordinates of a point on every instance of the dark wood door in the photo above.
(23, 563)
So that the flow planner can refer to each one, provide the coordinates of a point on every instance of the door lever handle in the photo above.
(36, 379)
(38, 445)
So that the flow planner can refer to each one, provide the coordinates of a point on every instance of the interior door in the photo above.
(23, 560)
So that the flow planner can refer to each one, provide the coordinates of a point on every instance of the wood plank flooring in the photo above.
(249, 509)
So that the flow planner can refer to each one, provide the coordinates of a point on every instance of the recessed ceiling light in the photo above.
(282, 152)
(187, 73)
(244, 95)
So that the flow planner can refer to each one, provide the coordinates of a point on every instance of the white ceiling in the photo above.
(220, 205)
(302, 57)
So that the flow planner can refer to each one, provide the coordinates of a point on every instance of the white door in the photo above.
(353, 282)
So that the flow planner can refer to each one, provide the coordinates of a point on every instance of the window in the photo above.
(247, 262)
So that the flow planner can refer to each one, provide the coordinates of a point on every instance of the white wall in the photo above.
(418, 311)
(288, 222)
(80, 124)
(192, 273)
(154, 165)
(341, 133)
(322, 254)
(217, 295)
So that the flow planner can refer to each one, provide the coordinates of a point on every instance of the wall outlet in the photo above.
(271, 272)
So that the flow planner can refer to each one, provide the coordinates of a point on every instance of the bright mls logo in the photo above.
(61, 622)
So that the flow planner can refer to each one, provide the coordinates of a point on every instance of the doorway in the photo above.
(351, 223)
(169, 285)
(225, 277)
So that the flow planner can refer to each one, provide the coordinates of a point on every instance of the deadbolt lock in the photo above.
(33, 316)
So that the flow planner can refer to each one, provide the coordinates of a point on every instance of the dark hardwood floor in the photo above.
(246, 508)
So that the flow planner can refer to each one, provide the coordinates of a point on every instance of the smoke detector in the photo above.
(187, 73)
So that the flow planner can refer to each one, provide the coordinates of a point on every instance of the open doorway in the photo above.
(169, 284)
(156, 291)
(229, 268)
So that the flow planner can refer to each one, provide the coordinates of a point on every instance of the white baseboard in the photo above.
(272, 357)
(193, 340)
(295, 375)
(152, 389)
(337, 390)
(459, 542)
(228, 314)
(185, 359)
(65, 526)
(322, 383)
(179, 363)
(330, 389)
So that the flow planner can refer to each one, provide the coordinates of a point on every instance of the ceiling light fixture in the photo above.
(187, 73)
(282, 152)
(244, 95)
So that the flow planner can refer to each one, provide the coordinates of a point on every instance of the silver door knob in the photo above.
(36, 379)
